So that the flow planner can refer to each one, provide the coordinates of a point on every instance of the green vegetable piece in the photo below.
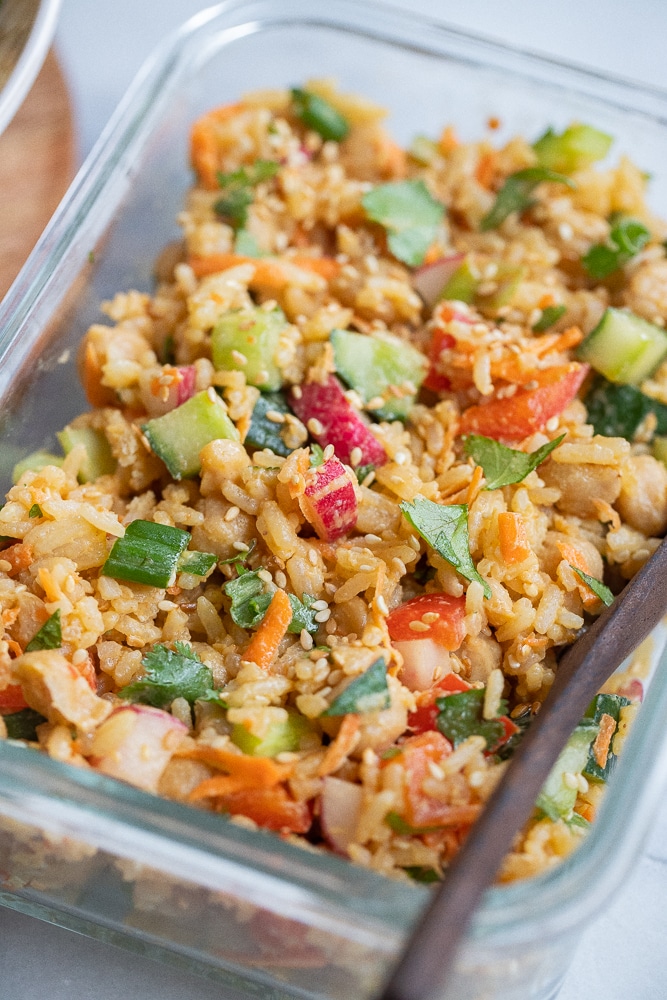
(624, 347)
(506, 280)
(99, 460)
(516, 194)
(238, 185)
(405, 829)
(503, 466)
(249, 602)
(362, 471)
(445, 528)
(380, 366)
(316, 456)
(423, 150)
(34, 462)
(49, 636)
(196, 563)
(578, 821)
(147, 553)
(577, 147)
(168, 353)
(285, 736)
(169, 674)
(460, 716)
(597, 586)
(233, 207)
(265, 433)
(556, 798)
(550, 315)
(659, 449)
(423, 874)
(247, 340)
(35, 511)
(603, 704)
(462, 286)
(618, 410)
(369, 692)
(626, 238)
(303, 614)
(318, 115)
(246, 245)
(179, 436)
(23, 725)
(410, 215)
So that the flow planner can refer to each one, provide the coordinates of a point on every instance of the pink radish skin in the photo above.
(135, 744)
(329, 501)
(342, 426)
(430, 279)
(340, 809)
(182, 388)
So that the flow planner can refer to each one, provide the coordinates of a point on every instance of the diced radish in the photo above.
(340, 809)
(325, 404)
(171, 390)
(135, 744)
(424, 662)
(329, 501)
(632, 689)
(430, 279)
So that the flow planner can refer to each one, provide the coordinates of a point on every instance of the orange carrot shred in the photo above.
(514, 545)
(247, 771)
(264, 644)
(344, 743)
(270, 273)
(602, 742)
(204, 146)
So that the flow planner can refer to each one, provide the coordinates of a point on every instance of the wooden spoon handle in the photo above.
(421, 972)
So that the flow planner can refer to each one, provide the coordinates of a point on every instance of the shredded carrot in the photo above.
(339, 750)
(585, 810)
(391, 158)
(247, 771)
(271, 273)
(273, 808)
(602, 742)
(264, 644)
(546, 300)
(513, 539)
(14, 647)
(486, 168)
(433, 253)
(98, 395)
(448, 140)
(204, 145)
(19, 557)
(475, 484)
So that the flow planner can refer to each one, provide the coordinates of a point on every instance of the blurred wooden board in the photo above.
(36, 166)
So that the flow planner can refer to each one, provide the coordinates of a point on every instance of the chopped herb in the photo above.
(362, 471)
(626, 238)
(578, 821)
(233, 208)
(316, 456)
(502, 465)
(577, 147)
(147, 553)
(405, 829)
(238, 194)
(169, 674)
(597, 586)
(516, 194)
(445, 528)
(410, 215)
(168, 353)
(618, 410)
(390, 753)
(246, 245)
(423, 874)
(196, 563)
(460, 716)
(249, 602)
(550, 315)
(237, 561)
(318, 115)
(35, 511)
(303, 615)
(23, 725)
(369, 692)
(49, 636)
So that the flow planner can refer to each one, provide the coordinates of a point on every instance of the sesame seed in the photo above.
(365, 568)
(372, 538)
(306, 639)
(417, 626)
(79, 656)
(239, 359)
(240, 546)
(262, 377)
(571, 780)
(312, 557)
(565, 231)
(275, 416)
(297, 392)
(329, 452)
(322, 663)
(281, 579)
(232, 513)
(430, 616)
(167, 606)
(264, 576)
(370, 478)
(212, 394)
(400, 458)
(376, 403)
(399, 566)
(319, 605)
(381, 605)
(356, 456)
(314, 426)
(476, 779)
(435, 771)
(323, 616)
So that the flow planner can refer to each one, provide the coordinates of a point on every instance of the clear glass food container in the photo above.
(81, 850)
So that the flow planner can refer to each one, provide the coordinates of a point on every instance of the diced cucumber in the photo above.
(603, 704)
(98, 461)
(265, 433)
(575, 148)
(247, 340)
(179, 436)
(624, 347)
(618, 410)
(462, 285)
(660, 448)
(373, 366)
(506, 281)
(423, 150)
(281, 737)
(33, 462)
(556, 798)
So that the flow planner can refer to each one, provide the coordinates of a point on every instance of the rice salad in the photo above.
(388, 434)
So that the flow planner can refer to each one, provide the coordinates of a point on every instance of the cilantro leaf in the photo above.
(503, 466)
(49, 636)
(316, 456)
(234, 206)
(23, 725)
(597, 586)
(550, 315)
(249, 602)
(445, 528)
(369, 692)
(35, 511)
(362, 471)
(516, 194)
(237, 187)
(318, 115)
(170, 673)
(423, 874)
(246, 245)
(303, 615)
(410, 215)
(626, 238)
(460, 716)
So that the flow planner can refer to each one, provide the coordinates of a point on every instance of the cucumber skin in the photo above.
(99, 459)
(618, 410)
(603, 704)
(179, 436)
(556, 799)
(369, 365)
(623, 347)
(263, 433)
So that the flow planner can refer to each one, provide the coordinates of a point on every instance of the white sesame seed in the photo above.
(323, 616)
(417, 626)
(306, 639)
(322, 663)
(239, 359)
(381, 605)
(400, 458)
(319, 605)
(240, 546)
(365, 568)
(552, 424)
(370, 478)
(79, 656)
(232, 513)
(167, 606)
(476, 779)
(275, 416)
(264, 576)
(372, 538)
(430, 616)
(565, 231)
(435, 771)
(329, 452)
(262, 377)
(314, 426)
(356, 456)
(571, 780)
(297, 391)
(281, 579)
(312, 557)
(376, 403)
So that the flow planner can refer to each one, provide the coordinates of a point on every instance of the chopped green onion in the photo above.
(147, 553)
(249, 601)
(516, 194)
(35, 511)
(318, 115)
(550, 315)
(196, 563)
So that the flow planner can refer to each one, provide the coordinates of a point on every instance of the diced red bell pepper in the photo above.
(272, 808)
(341, 425)
(12, 700)
(448, 629)
(437, 380)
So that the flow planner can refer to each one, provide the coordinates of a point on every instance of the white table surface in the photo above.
(101, 44)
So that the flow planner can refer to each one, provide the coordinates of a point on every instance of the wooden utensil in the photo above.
(422, 970)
